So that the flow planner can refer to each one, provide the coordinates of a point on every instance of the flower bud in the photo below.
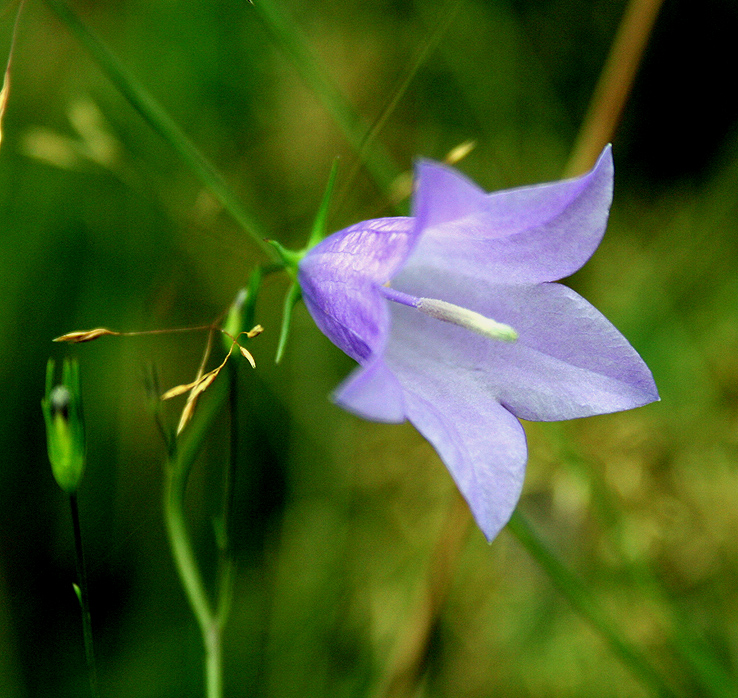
(65, 433)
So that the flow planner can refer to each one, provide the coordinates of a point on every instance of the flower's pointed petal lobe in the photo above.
(339, 279)
(481, 443)
(569, 361)
(524, 235)
(372, 392)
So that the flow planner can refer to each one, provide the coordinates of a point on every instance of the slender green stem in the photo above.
(214, 663)
(164, 125)
(446, 17)
(586, 605)
(224, 582)
(234, 451)
(189, 573)
(184, 555)
(177, 473)
(84, 597)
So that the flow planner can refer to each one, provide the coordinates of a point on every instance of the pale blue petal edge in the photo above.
(525, 235)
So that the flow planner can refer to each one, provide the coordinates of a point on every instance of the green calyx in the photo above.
(292, 260)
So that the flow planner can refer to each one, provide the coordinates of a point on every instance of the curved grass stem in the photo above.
(152, 112)
(210, 617)
(189, 574)
(614, 85)
(84, 597)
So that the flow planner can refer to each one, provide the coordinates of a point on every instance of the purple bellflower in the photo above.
(458, 328)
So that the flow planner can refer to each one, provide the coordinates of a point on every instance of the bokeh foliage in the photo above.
(102, 224)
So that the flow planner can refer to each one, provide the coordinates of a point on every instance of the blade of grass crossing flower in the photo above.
(597, 130)
(163, 124)
(288, 37)
(586, 605)
(447, 15)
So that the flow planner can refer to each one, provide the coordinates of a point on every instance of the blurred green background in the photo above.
(101, 224)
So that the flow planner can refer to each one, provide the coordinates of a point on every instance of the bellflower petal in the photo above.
(488, 259)
(373, 392)
(339, 279)
(481, 443)
(525, 235)
(569, 361)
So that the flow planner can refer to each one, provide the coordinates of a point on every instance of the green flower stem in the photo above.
(164, 125)
(84, 597)
(224, 579)
(177, 473)
(191, 578)
(586, 605)
(234, 451)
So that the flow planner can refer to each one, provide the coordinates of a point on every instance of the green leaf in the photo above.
(293, 295)
(318, 232)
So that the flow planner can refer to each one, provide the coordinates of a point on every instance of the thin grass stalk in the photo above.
(447, 15)
(614, 85)
(155, 115)
(576, 592)
(84, 597)
(178, 469)
(291, 41)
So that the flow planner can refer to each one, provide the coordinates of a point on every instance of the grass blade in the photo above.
(290, 40)
(164, 125)
(585, 604)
